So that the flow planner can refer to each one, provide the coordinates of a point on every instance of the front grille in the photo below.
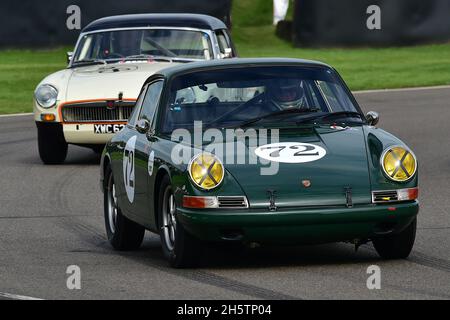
(232, 202)
(97, 112)
(384, 196)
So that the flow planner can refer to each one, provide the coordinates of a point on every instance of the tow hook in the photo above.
(348, 197)
(358, 243)
(272, 206)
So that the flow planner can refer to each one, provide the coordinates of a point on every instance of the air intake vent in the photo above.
(232, 202)
(384, 196)
(97, 112)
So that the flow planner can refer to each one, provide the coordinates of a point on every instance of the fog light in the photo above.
(48, 117)
(200, 202)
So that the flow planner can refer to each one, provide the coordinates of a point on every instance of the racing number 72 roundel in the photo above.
(291, 152)
(128, 168)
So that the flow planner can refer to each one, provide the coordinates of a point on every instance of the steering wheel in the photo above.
(115, 55)
(242, 107)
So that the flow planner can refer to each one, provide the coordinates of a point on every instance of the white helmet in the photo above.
(286, 93)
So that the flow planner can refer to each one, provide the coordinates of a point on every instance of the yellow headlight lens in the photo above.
(399, 164)
(206, 170)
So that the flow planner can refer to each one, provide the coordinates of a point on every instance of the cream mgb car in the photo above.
(92, 99)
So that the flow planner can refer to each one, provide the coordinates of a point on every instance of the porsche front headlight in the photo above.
(46, 95)
(399, 164)
(206, 171)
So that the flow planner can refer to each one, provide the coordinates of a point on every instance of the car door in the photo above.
(144, 153)
(123, 160)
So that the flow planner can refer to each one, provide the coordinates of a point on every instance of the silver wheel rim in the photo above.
(169, 220)
(112, 205)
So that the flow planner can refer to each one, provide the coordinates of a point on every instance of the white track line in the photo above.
(401, 89)
(16, 296)
(15, 115)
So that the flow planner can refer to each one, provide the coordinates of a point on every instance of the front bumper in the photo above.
(88, 133)
(313, 225)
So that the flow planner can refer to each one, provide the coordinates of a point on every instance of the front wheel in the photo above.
(51, 143)
(180, 248)
(397, 246)
(123, 234)
(98, 149)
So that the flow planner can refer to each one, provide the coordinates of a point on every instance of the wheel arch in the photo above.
(106, 161)
(162, 172)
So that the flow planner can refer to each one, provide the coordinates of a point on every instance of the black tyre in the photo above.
(98, 149)
(397, 246)
(51, 143)
(180, 248)
(123, 234)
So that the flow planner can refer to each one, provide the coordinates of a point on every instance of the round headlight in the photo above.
(206, 171)
(399, 164)
(46, 96)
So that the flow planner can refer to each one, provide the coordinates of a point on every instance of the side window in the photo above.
(151, 101)
(313, 96)
(137, 108)
(335, 97)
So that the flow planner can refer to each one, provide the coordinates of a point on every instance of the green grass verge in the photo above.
(362, 68)
(21, 71)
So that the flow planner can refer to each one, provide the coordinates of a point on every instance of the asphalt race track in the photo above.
(51, 217)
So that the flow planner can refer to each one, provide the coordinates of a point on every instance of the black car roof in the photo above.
(235, 63)
(198, 21)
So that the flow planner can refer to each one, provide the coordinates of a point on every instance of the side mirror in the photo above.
(69, 56)
(142, 126)
(372, 118)
(227, 54)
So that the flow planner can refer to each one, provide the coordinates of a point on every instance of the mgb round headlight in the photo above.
(399, 164)
(206, 171)
(46, 96)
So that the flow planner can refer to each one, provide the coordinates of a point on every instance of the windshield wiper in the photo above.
(89, 62)
(157, 58)
(350, 114)
(276, 114)
(147, 57)
(139, 56)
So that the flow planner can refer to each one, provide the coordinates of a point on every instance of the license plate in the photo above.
(107, 128)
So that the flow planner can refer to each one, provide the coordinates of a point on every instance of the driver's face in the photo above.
(126, 43)
(285, 94)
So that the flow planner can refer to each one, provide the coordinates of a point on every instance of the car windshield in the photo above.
(255, 96)
(117, 45)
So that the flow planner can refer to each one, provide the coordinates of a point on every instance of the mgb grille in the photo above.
(107, 111)
(384, 196)
(232, 202)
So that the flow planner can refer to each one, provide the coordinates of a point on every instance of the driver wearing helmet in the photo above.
(124, 44)
(286, 94)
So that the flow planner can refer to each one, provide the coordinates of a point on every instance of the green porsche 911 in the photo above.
(256, 151)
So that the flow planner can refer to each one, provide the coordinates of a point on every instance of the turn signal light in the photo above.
(408, 194)
(200, 202)
(48, 117)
